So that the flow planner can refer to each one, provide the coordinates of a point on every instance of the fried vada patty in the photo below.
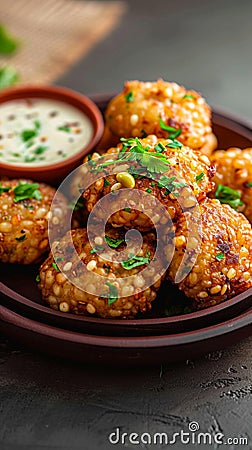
(176, 177)
(73, 288)
(234, 169)
(223, 266)
(24, 215)
(160, 108)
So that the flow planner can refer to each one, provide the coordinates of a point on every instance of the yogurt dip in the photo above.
(38, 132)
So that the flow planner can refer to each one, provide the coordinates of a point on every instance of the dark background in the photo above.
(206, 45)
(51, 404)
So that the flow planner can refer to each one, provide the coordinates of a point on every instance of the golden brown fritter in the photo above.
(234, 169)
(88, 284)
(178, 177)
(24, 214)
(138, 109)
(223, 266)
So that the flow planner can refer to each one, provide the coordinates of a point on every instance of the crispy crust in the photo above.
(172, 103)
(184, 163)
(223, 268)
(60, 293)
(234, 169)
(24, 225)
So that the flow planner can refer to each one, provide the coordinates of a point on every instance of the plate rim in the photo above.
(132, 342)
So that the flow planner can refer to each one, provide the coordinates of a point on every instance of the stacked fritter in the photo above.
(144, 108)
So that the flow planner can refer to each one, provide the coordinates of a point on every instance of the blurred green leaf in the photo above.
(8, 43)
(8, 77)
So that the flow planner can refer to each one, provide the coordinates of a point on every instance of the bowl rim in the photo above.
(64, 95)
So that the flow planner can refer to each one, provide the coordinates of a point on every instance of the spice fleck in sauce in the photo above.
(41, 131)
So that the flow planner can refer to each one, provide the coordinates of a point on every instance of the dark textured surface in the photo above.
(50, 404)
(47, 403)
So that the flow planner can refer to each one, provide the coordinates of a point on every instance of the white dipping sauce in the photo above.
(38, 132)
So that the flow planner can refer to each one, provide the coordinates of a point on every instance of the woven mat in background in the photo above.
(54, 34)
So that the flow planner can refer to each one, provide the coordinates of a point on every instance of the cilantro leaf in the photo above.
(40, 149)
(249, 184)
(160, 147)
(220, 256)
(113, 242)
(98, 248)
(173, 132)
(228, 196)
(174, 144)
(112, 295)
(4, 189)
(135, 261)
(188, 96)
(129, 97)
(199, 177)
(25, 191)
(64, 128)
(55, 266)
(26, 135)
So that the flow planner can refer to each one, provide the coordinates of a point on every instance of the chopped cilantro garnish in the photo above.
(154, 162)
(106, 182)
(148, 190)
(128, 210)
(26, 135)
(188, 96)
(112, 295)
(40, 149)
(135, 261)
(113, 242)
(55, 266)
(229, 196)
(21, 238)
(160, 147)
(174, 144)
(220, 256)
(64, 128)
(153, 184)
(199, 177)
(29, 159)
(98, 248)
(37, 279)
(249, 184)
(169, 183)
(173, 132)
(37, 124)
(129, 97)
(24, 191)
(4, 189)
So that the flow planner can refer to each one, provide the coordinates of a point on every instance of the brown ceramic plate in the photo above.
(20, 292)
(124, 350)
